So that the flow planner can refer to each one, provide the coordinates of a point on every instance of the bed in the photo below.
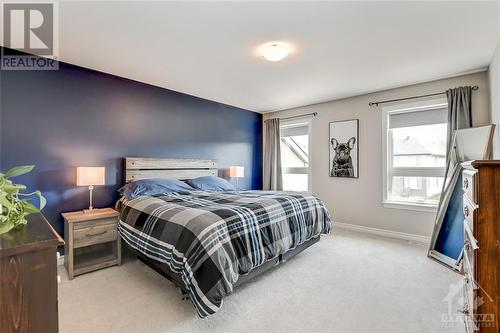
(207, 243)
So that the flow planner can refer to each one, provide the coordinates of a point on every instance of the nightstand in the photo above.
(91, 240)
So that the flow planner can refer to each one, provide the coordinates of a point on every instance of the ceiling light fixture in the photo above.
(274, 51)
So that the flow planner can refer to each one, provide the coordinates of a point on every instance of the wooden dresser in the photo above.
(28, 278)
(481, 260)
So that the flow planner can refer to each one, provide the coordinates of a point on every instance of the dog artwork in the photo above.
(344, 152)
(342, 161)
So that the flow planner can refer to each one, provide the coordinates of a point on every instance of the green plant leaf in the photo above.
(6, 203)
(29, 208)
(42, 199)
(14, 205)
(6, 226)
(13, 188)
(18, 171)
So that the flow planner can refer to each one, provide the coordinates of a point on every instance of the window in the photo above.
(295, 155)
(414, 153)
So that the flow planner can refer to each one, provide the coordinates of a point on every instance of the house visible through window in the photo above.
(415, 153)
(295, 155)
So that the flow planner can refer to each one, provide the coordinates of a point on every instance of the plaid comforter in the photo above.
(210, 239)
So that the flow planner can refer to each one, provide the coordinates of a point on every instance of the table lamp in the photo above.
(90, 176)
(237, 172)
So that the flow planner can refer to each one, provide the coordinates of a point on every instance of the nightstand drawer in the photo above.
(89, 224)
(96, 234)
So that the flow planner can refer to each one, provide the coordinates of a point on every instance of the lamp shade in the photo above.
(236, 172)
(86, 176)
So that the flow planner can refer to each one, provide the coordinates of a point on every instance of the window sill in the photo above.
(410, 206)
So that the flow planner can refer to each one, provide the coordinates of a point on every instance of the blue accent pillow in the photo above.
(211, 184)
(154, 186)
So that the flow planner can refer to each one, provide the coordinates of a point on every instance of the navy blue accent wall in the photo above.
(73, 117)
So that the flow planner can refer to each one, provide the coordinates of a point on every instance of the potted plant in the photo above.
(15, 206)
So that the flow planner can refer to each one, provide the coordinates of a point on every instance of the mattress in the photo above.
(210, 239)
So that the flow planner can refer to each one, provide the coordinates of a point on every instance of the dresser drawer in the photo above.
(468, 210)
(469, 239)
(468, 267)
(469, 183)
(469, 289)
(96, 234)
(470, 326)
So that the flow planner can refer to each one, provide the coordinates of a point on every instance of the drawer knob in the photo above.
(466, 183)
(466, 211)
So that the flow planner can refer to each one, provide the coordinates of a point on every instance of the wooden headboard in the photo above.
(137, 168)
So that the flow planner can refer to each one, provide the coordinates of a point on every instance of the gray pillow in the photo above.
(211, 184)
(145, 187)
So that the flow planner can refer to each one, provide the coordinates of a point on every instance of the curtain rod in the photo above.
(412, 97)
(314, 114)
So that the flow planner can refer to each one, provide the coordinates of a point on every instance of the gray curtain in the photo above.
(459, 116)
(459, 111)
(272, 156)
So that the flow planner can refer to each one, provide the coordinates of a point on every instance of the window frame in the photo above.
(388, 171)
(296, 122)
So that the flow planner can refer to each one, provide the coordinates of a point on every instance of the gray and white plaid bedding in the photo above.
(210, 239)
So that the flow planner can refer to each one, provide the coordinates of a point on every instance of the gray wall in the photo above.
(358, 201)
(494, 84)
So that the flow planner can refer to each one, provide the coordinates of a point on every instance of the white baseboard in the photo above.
(423, 240)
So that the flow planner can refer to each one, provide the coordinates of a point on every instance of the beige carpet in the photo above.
(346, 283)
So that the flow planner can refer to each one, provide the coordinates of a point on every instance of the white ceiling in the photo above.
(208, 49)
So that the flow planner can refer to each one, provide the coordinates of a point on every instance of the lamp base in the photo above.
(237, 185)
(91, 208)
(90, 211)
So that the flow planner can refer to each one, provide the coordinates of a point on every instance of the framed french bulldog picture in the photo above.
(344, 148)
